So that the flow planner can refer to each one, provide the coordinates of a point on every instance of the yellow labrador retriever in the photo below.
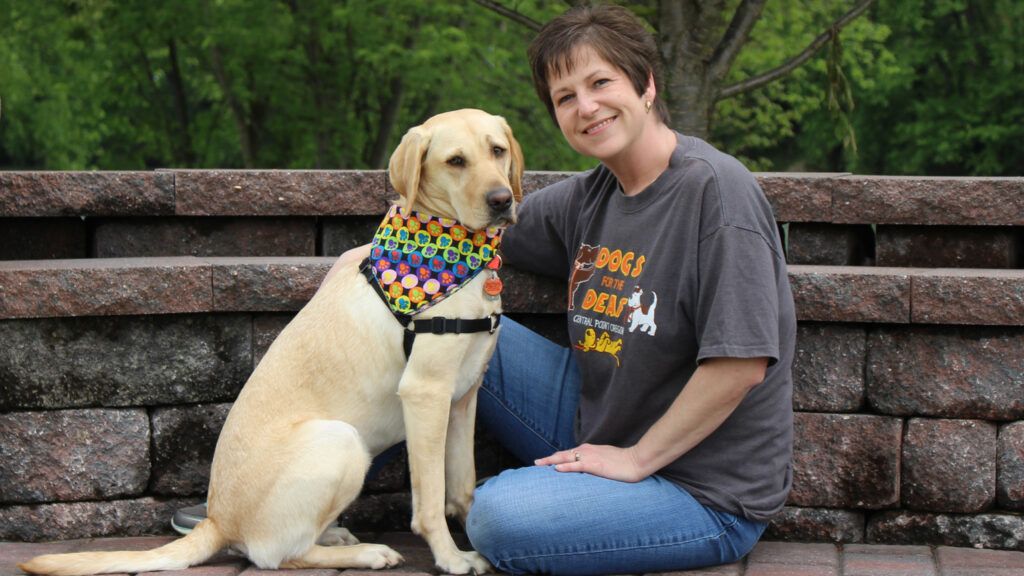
(337, 386)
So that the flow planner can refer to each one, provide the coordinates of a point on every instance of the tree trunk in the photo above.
(184, 153)
(237, 110)
(378, 156)
(388, 118)
(313, 48)
(687, 35)
(690, 102)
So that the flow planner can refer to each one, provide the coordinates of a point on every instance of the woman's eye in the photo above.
(456, 161)
(564, 99)
(601, 82)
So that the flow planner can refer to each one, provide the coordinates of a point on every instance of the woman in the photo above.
(662, 439)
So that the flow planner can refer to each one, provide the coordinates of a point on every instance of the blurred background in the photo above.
(924, 87)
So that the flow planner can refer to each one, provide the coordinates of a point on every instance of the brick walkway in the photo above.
(767, 559)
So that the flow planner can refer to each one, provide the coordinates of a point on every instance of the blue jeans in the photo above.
(538, 520)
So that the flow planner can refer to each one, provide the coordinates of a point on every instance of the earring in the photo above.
(647, 106)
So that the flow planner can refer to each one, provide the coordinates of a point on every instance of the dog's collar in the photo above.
(418, 260)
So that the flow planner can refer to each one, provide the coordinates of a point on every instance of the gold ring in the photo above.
(576, 455)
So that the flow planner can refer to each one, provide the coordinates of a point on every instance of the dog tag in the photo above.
(493, 287)
(495, 263)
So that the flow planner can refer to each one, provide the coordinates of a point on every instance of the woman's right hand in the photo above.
(350, 257)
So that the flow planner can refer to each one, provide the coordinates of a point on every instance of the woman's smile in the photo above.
(599, 126)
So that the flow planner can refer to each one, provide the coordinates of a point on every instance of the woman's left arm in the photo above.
(715, 389)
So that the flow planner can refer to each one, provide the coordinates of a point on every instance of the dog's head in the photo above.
(464, 165)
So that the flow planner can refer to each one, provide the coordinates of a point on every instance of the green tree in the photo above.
(788, 124)
(231, 83)
(953, 101)
(916, 86)
(38, 51)
(938, 92)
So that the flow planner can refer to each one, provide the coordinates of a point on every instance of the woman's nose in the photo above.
(586, 105)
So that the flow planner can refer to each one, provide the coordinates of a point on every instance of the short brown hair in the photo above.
(613, 32)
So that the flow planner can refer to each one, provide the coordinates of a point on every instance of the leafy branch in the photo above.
(795, 62)
(511, 14)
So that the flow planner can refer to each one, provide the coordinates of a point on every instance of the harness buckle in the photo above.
(437, 325)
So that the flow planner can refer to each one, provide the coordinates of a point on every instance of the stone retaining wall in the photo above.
(134, 305)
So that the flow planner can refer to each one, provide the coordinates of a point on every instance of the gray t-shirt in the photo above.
(690, 268)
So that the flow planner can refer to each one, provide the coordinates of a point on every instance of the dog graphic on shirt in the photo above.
(642, 315)
(582, 269)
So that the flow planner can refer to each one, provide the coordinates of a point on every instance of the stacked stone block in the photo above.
(133, 306)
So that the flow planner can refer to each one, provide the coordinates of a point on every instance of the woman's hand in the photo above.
(357, 254)
(600, 460)
(350, 257)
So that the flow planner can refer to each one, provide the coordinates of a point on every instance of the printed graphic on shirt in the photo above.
(591, 343)
(608, 301)
(582, 270)
(642, 315)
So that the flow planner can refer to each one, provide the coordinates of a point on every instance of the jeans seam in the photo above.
(620, 548)
(522, 419)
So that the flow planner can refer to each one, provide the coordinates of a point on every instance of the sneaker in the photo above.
(185, 520)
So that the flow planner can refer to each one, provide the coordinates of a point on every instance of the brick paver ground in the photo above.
(767, 559)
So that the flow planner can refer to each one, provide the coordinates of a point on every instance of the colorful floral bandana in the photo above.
(419, 259)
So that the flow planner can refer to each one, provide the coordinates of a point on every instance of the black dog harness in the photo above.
(436, 325)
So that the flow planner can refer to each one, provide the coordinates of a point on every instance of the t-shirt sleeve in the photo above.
(738, 307)
(538, 241)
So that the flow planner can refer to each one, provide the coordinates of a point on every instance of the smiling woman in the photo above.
(599, 88)
(662, 439)
(602, 116)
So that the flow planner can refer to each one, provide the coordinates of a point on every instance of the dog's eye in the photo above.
(457, 161)
(497, 151)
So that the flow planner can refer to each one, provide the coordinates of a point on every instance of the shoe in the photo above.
(185, 520)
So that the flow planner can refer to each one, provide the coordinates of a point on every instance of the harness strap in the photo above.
(441, 325)
(437, 325)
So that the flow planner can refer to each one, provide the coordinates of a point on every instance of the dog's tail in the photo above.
(204, 541)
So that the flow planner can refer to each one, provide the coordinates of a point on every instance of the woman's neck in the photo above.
(645, 160)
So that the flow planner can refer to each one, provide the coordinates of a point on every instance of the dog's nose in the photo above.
(499, 200)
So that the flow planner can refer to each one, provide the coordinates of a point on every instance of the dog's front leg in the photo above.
(426, 404)
(459, 464)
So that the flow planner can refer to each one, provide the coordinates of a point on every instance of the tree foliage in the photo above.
(915, 86)
(951, 101)
(131, 84)
(766, 127)
(937, 88)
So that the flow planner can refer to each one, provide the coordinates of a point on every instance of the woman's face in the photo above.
(596, 107)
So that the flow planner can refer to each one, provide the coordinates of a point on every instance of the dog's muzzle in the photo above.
(499, 200)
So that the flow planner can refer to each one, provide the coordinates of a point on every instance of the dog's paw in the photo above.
(378, 556)
(465, 563)
(337, 536)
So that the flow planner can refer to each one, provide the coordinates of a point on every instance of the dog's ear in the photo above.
(516, 171)
(407, 163)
